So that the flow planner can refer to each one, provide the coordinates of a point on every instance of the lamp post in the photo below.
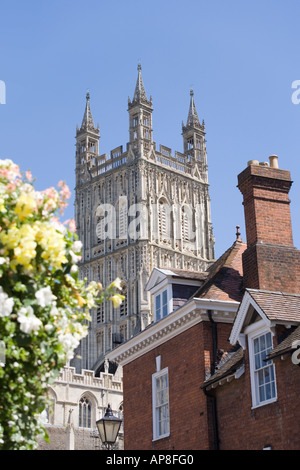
(108, 428)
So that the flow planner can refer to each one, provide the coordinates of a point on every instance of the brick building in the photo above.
(218, 368)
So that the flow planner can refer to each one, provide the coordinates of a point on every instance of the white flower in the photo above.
(74, 257)
(44, 296)
(54, 310)
(2, 260)
(28, 321)
(6, 304)
(69, 343)
(77, 246)
(90, 300)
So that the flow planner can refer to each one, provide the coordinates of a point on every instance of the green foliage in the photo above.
(44, 305)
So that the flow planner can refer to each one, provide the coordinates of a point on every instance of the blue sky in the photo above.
(239, 56)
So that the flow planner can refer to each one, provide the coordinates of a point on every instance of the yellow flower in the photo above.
(80, 300)
(22, 242)
(117, 300)
(116, 283)
(53, 244)
(26, 205)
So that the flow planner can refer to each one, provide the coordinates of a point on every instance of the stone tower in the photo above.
(137, 209)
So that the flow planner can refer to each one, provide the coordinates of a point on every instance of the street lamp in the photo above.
(108, 427)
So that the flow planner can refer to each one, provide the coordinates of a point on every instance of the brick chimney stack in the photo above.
(270, 262)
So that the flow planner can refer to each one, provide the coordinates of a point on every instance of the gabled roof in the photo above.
(225, 277)
(189, 274)
(160, 274)
(272, 307)
(278, 306)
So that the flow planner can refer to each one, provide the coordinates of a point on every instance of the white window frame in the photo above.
(253, 332)
(169, 304)
(157, 433)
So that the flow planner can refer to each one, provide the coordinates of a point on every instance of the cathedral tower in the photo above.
(137, 209)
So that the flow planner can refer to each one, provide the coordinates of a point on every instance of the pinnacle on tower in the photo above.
(193, 118)
(139, 92)
(87, 121)
(139, 96)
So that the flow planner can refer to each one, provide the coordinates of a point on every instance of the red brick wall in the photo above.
(271, 267)
(270, 261)
(186, 357)
(266, 205)
(276, 424)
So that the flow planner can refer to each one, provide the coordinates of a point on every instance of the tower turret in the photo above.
(87, 141)
(140, 119)
(194, 140)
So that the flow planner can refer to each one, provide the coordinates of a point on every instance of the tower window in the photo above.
(185, 224)
(100, 313)
(190, 144)
(123, 306)
(100, 343)
(163, 218)
(134, 121)
(92, 147)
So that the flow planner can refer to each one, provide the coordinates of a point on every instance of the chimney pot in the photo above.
(253, 162)
(273, 161)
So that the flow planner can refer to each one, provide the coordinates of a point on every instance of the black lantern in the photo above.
(108, 427)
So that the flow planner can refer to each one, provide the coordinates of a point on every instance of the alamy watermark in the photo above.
(2, 92)
(172, 221)
(296, 353)
(296, 93)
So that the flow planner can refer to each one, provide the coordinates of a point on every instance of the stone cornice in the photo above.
(193, 312)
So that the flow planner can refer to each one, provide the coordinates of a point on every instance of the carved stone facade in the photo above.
(137, 209)
(77, 402)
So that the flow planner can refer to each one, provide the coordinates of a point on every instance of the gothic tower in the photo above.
(137, 209)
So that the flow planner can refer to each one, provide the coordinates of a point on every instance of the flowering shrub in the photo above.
(44, 306)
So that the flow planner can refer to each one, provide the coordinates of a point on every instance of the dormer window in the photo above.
(161, 305)
(163, 302)
(170, 289)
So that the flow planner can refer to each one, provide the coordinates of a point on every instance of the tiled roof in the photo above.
(233, 361)
(278, 305)
(225, 276)
(189, 274)
(287, 344)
